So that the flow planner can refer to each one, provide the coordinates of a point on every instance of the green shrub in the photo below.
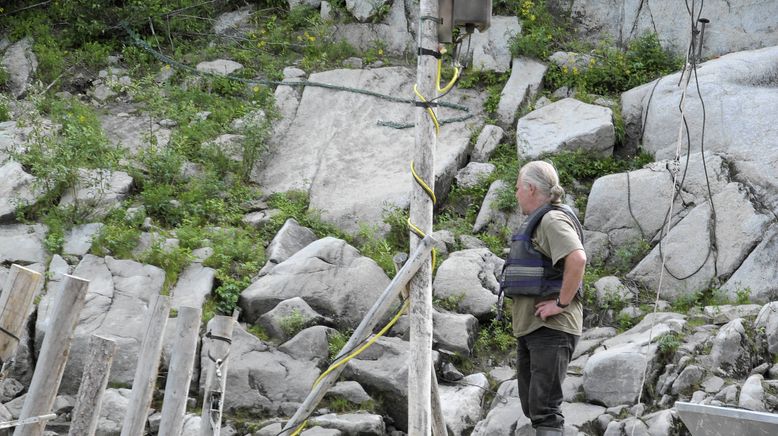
(450, 303)
(336, 342)
(495, 337)
(293, 323)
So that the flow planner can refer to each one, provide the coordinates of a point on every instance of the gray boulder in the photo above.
(351, 391)
(99, 191)
(768, 320)
(452, 332)
(471, 276)
(23, 244)
(351, 423)
(134, 133)
(567, 124)
(752, 394)
(282, 319)
(686, 248)
(489, 211)
(116, 402)
(291, 238)
(310, 344)
(382, 370)
(219, 67)
(473, 174)
(259, 377)
(17, 188)
(491, 49)
(20, 63)
(299, 160)
(505, 415)
(610, 288)
(364, 10)
(396, 31)
(461, 403)
(522, 87)
(487, 142)
(234, 23)
(330, 275)
(730, 350)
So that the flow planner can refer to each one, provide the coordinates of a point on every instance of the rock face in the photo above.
(567, 124)
(330, 275)
(736, 24)
(16, 189)
(523, 86)
(396, 32)
(117, 307)
(346, 133)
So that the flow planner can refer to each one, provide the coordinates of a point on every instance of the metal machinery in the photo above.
(470, 14)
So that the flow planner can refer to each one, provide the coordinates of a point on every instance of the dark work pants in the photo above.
(542, 365)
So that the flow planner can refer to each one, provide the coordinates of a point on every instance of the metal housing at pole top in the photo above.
(420, 362)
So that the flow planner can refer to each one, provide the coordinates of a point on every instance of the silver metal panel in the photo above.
(702, 420)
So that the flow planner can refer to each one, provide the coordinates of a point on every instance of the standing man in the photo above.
(544, 278)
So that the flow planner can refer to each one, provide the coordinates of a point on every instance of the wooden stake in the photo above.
(217, 347)
(15, 301)
(438, 420)
(146, 371)
(53, 356)
(180, 371)
(419, 381)
(93, 383)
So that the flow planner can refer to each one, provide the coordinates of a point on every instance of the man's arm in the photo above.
(575, 264)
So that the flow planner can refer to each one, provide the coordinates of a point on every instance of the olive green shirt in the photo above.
(555, 237)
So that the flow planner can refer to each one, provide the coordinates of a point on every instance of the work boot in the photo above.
(548, 431)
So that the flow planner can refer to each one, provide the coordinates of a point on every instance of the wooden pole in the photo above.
(53, 356)
(438, 420)
(217, 348)
(180, 371)
(93, 383)
(15, 302)
(364, 329)
(419, 375)
(146, 371)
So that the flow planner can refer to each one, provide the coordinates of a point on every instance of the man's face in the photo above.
(523, 194)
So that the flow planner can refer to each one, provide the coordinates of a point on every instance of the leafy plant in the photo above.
(336, 342)
(495, 337)
(450, 303)
(293, 323)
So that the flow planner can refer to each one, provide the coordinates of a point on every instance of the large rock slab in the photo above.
(567, 124)
(505, 415)
(522, 87)
(117, 307)
(347, 133)
(131, 132)
(690, 259)
(98, 190)
(329, 274)
(740, 123)
(364, 10)
(194, 285)
(470, 277)
(491, 49)
(739, 24)
(291, 238)
(768, 319)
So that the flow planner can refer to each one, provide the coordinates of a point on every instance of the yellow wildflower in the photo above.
(564, 70)
(255, 88)
(380, 52)
(575, 70)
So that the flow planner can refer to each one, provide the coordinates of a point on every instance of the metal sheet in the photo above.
(702, 420)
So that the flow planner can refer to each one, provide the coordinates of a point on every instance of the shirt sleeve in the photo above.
(556, 236)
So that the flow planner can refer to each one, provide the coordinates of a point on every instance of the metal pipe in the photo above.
(703, 22)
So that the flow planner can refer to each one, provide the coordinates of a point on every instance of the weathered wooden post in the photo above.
(15, 301)
(53, 356)
(146, 371)
(180, 372)
(218, 349)
(419, 375)
(93, 383)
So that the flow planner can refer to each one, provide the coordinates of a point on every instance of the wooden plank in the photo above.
(180, 371)
(15, 302)
(90, 394)
(53, 356)
(146, 372)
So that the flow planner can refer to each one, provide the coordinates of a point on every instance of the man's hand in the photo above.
(547, 308)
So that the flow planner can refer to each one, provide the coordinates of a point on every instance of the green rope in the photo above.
(170, 61)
